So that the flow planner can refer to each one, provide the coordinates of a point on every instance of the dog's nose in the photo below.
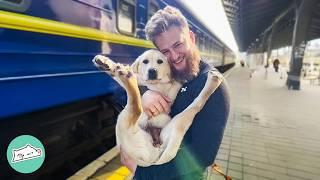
(152, 74)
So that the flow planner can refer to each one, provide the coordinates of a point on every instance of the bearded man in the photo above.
(168, 30)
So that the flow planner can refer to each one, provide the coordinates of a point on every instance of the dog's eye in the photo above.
(146, 61)
(159, 61)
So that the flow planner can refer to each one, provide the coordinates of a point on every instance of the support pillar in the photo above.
(269, 46)
(263, 48)
(303, 17)
(270, 41)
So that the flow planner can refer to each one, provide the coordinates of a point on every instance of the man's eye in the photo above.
(146, 61)
(165, 53)
(178, 45)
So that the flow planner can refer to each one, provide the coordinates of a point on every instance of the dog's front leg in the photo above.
(126, 78)
(134, 104)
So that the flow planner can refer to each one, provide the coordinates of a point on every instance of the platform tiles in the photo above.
(106, 167)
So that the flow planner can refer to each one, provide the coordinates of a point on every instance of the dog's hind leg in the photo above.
(176, 129)
(214, 79)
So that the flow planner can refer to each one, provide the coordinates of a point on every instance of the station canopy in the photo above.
(252, 20)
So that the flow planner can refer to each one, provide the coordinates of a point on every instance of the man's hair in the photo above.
(162, 20)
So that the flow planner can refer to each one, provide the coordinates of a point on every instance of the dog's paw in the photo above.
(104, 64)
(124, 72)
(121, 73)
(214, 75)
(125, 76)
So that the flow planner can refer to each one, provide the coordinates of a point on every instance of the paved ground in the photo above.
(272, 133)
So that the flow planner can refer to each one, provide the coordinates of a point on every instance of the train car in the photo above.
(49, 87)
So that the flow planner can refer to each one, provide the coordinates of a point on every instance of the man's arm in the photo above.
(154, 103)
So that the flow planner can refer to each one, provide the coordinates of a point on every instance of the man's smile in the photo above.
(178, 61)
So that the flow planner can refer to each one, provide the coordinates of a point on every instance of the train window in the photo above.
(211, 50)
(207, 44)
(198, 38)
(15, 5)
(126, 16)
(14, 1)
(153, 8)
(202, 43)
(102, 5)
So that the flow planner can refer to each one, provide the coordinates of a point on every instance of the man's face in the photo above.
(178, 45)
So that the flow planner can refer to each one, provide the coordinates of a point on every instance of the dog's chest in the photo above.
(170, 89)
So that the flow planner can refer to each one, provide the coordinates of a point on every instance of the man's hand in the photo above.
(154, 103)
(127, 161)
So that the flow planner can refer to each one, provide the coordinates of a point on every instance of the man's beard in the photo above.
(190, 71)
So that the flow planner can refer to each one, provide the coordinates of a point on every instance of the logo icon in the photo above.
(25, 154)
(183, 89)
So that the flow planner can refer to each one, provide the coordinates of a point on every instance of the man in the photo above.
(168, 30)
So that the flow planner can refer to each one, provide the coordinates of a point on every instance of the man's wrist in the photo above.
(143, 89)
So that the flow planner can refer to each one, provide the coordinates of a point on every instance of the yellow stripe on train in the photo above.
(40, 25)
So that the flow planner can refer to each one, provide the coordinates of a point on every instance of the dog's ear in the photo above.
(135, 65)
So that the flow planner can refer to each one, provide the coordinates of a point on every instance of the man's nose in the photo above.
(174, 54)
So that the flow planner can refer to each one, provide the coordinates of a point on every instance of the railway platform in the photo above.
(272, 132)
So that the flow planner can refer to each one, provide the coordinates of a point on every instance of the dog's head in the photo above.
(152, 67)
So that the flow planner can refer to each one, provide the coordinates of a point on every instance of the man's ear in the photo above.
(135, 65)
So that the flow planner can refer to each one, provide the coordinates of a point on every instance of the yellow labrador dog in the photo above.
(152, 69)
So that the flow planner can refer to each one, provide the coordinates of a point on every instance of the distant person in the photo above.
(304, 73)
(242, 63)
(276, 64)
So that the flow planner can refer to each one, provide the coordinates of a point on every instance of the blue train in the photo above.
(49, 87)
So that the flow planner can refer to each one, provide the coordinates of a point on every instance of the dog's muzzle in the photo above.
(152, 74)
